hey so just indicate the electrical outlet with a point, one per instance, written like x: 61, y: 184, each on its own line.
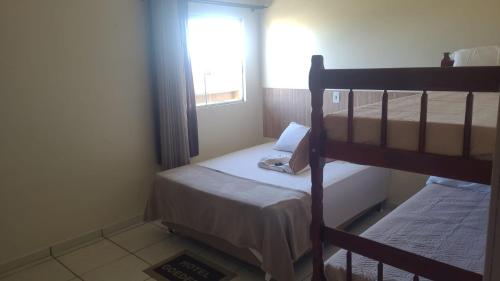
x: 336, y: 97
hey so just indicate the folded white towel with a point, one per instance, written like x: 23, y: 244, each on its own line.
x: 276, y: 163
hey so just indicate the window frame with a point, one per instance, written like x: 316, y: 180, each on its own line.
x: 206, y: 10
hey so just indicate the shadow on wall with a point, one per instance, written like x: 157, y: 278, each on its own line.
x: 404, y: 185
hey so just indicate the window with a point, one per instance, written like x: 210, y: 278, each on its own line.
x: 216, y: 46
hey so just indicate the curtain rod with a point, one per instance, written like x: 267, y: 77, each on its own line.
x: 222, y: 3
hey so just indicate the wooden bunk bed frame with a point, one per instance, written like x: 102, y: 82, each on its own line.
x: 445, y: 78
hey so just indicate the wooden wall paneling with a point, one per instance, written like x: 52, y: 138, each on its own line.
x: 282, y: 106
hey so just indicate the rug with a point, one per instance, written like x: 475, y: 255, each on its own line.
x: 186, y: 266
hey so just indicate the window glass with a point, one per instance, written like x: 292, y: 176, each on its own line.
x: 216, y: 46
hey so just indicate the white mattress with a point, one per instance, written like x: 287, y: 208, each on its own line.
x: 443, y: 223
x: 344, y: 183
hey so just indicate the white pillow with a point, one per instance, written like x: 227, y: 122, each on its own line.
x: 291, y: 137
x: 454, y: 183
x: 480, y: 56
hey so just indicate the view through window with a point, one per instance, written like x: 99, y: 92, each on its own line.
x: 216, y: 46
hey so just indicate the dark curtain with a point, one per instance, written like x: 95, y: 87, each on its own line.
x: 192, y: 118
x: 172, y: 84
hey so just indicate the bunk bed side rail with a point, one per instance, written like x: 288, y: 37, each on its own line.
x: 455, y: 167
x: 454, y: 79
x: 384, y: 254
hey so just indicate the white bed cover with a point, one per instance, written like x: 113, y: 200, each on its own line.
x: 343, y: 182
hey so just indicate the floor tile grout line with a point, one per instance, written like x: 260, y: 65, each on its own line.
x: 100, y: 266
x: 128, y: 251
x: 131, y: 227
x: 166, y: 231
x: 63, y: 265
x: 110, y: 237
x: 103, y: 265
x: 134, y: 254
x: 102, y: 236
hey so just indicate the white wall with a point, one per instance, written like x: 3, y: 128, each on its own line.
x: 76, y: 128
x: 260, y: 3
x: 76, y: 134
x: 362, y: 34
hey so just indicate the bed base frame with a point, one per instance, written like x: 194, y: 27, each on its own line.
x: 458, y: 79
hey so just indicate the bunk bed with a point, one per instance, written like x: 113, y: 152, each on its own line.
x: 335, y: 137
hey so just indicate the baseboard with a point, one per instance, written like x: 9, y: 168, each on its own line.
x: 65, y: 246
x: 120, y: 226
x: 76, y: 242
x: 24, y: 260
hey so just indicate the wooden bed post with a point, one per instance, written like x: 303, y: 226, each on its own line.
x: 317, y: 162
x: 447, y: 61
x: 492, y: 260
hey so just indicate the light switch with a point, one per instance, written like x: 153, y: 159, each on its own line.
x: 336, y: 97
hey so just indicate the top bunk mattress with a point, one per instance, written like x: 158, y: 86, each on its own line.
x: 443, y: 223
x: 445, y: 123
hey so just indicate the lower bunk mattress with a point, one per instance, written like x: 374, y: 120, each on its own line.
x: 264, y: 211
x: 444, y: 223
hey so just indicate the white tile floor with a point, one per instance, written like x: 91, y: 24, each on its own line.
x: 123, y: 257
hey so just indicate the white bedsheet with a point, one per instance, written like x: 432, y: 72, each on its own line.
x: 343, y: 182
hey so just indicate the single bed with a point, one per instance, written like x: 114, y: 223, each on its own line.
x: 343, y: 181
x: 252, y: 213
x: 441, y: 222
